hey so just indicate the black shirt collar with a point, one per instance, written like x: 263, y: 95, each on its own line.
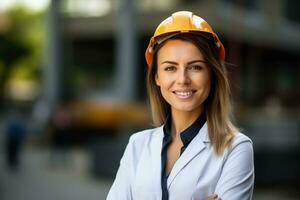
x: 189, y: 133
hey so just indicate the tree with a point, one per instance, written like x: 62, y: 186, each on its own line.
x: 20, y: 43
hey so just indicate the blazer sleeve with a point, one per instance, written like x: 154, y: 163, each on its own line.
x: 121, y: 187
x: 237, y: 176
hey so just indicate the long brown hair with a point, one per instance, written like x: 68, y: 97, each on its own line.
x: 221, y: 130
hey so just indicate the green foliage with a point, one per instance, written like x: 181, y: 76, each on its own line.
x: 22, y: 45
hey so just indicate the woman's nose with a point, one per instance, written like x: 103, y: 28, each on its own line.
x: 183, y: 77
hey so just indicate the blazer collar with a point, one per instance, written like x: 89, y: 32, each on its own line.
x: 192, y: 150
x: 204, y: 133
x: 155, y: 148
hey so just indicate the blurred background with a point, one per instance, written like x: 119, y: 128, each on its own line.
x: 72, y: 89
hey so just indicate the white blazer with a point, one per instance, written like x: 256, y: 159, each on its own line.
x: 197, y: 174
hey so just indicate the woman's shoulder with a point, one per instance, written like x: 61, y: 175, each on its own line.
x: 240, y: 138
x: 241, y: 142
x: 141, y: 140
x: 144, y: 135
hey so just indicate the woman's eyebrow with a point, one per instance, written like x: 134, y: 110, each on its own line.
x: 175, y: 63
x: 169, y: 62
x: 195, y: 61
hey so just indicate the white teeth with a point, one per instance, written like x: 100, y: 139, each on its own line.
x: 184, y: 94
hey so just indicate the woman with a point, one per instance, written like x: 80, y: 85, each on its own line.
x: 195, y: 152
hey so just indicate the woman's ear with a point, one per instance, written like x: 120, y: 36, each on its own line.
x: 157, y: 80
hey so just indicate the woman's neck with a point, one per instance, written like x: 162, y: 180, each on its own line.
x: 182, y: 120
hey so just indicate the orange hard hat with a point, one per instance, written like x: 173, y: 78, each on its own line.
x: 181, y: 22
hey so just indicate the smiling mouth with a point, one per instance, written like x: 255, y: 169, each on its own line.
x: 184, y: 94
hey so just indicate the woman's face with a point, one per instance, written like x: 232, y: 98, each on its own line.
x: 183, y: 76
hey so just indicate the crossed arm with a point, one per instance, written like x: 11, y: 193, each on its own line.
x: 237, y: 177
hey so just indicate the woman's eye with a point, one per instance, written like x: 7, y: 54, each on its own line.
x: 195, y: 67
x: 170, y: 68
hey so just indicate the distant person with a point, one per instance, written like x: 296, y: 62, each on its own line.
x: 60, y: 123
x: 15, y: 136
x: 41, y: 114
x: 195, y: 152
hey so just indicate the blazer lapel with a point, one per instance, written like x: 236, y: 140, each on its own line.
x: 155, y: 148
x: 193, y: 149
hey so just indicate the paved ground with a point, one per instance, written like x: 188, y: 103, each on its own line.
x: 37, y: 180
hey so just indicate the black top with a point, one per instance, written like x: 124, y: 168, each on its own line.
x: 186, y: 136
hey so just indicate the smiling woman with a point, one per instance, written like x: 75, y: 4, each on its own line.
x: 195, y: 152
